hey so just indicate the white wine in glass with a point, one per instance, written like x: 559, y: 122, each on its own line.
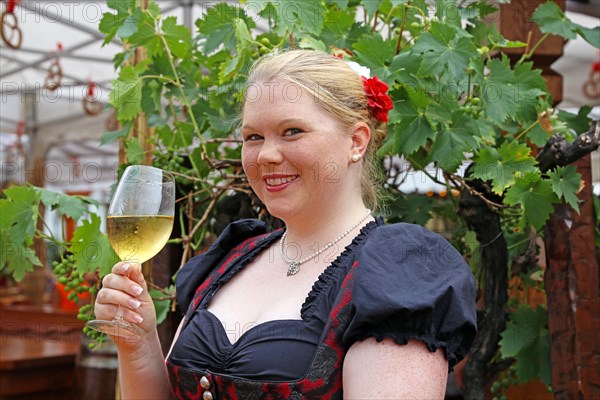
x: 139, y: 223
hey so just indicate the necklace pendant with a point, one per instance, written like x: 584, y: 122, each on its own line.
x: 293, y: 268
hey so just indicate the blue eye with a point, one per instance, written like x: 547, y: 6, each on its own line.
x: 252, y: 138
x: 292, y: 131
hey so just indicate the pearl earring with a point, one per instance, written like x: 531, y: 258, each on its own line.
x: 356, y: 157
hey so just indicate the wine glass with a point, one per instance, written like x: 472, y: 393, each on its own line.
x: 139, y: 223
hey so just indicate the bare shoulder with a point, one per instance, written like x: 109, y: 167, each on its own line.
x: 386, y: 370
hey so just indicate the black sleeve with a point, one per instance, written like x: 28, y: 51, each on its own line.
x: 412, y: 284
x: 197, y: 269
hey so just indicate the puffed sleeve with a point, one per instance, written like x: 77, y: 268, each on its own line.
x: 197, y: 269
x: 411, y: 283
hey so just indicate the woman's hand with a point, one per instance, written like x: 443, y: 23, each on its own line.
x: 127, y: 287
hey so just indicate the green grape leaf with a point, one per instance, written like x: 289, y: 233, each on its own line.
x: 372, y: 6
x: 535, y: 196
x: 236, y: 64
x: 111, y: 136
x: 522, y: 330
x: 130, y: 24
x: 404, y: 66
x: 91, y: 248
x: 565, y: 183
x: 126, y: 93
x: 16, y: 258
x: 590, y: 35
x: 295, y: 16
x: 538, y: 136
x: 111, y: 23
x: 551, y: 19
x: 500, y: 165
x: 19, y: 213
x: 375, y: 53
x: 451, y: 144
x: 444, y: 48
x: 498, y: 40
x: 217, y: 26
x: 499, y: 94
x: 178, y: 37
x: 530, y: 85
x: 151, y: 99
x: 309, y: 42
x: 413, y: 131
x: 373, y: 50
x: 580, y: 122
x: 147, y: 37
x: 70, y: 206
x: 161, y: 305
x: 343, y: 4
x: 341, y: 30
x: 134, y: 149
x: 413, y: 208
x: 526, y: 339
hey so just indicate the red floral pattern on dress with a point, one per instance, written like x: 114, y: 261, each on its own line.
x: 378, y: 99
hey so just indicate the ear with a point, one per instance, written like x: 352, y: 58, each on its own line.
x: 361, y: 136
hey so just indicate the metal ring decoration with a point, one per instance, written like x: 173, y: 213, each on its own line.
x: 10, y: 31
x: 54, y: 76
x: 591, y: 87
x: 91, y: 105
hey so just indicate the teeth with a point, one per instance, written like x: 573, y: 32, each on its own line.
x: 279, y: 181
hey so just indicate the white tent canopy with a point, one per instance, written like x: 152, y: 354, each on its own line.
x: 54, y: 122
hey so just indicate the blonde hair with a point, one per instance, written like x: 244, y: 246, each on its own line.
x: 339, y: 91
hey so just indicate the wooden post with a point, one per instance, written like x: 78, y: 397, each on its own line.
x: 142, y: 133
x: 572, y: 283
x: 572, y: 274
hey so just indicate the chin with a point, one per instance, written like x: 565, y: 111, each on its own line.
x: 282, y: 211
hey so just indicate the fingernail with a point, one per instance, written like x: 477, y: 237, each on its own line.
x: 126, y: 267
x: 134, y: 303
x: 137, y: 290
x: 138, y: 318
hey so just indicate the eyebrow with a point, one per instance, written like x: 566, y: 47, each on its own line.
x: 282, y: 122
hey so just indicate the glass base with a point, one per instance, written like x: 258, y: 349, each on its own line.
x: 116, y: 328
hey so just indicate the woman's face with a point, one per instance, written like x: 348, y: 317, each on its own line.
x: 296, y: 156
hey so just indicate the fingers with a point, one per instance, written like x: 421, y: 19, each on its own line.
x: 108, y: 300
x: 132, y: 270
x: 123, y: 283
x: 126, y: 287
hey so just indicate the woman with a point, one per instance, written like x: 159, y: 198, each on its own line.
x: 335, y: 305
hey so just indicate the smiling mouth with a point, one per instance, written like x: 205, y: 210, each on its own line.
x: 280, y: 180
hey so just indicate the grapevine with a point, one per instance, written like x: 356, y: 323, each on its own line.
x: 76, y: 286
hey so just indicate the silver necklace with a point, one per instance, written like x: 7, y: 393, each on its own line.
x: 294, y: 266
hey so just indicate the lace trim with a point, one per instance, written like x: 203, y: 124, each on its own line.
x: 331, y: 273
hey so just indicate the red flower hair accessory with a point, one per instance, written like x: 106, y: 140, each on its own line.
x: 378, y: 100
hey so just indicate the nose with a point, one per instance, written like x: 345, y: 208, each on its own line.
x: 270, y: 153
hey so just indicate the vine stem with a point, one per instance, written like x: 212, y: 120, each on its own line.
x: 374, y: 27
x: 530, y: 127
x: 203, y: 219
x: 399, y: 43
x: 185, y: 100
x: 461, y: 183
x: 164, y: 78
x: 527, y: 55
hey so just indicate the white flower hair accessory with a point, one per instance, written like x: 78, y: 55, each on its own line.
x: 359, y: 69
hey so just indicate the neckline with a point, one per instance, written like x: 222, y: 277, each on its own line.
x: 320, y: 286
